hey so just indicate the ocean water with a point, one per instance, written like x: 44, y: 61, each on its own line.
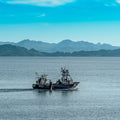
x: 97, y: 97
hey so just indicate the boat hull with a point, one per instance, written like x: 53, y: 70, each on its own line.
x: 56, y: 86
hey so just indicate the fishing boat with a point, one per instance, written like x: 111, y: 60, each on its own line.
x: 64, y: 83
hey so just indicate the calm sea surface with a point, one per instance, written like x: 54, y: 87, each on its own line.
x: 97, y: 97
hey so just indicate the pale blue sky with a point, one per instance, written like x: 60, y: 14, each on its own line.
x: 56, y: 20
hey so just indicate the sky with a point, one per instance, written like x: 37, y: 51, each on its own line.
x: 55, y: 20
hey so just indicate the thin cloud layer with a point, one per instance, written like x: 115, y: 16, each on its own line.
x: 40, y: 2
x: 118, y: 1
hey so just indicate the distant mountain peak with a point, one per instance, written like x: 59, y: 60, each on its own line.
x: 66, y: 41
x: 66, y: 45
x: 98, y: 43
x: 25, y: 40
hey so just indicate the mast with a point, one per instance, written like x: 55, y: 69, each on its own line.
x: 41, y: 79
x: 66, y: 78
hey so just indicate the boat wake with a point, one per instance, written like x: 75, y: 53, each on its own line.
x: 16, y: 90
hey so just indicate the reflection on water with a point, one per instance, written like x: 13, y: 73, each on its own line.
x: 63, y: 93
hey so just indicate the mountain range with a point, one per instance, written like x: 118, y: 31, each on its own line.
x: 11, y: 50
x: 63, y: 46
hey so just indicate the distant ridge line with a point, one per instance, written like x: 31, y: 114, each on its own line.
x: 63, y: 46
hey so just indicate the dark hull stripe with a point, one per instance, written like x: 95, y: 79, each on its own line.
x: 56, y: 86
